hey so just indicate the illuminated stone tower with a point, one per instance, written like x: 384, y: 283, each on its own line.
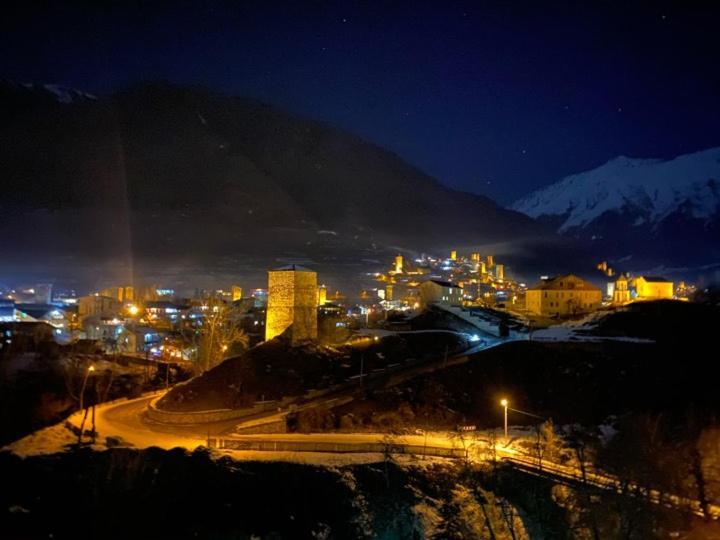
x: 236, y: 293
x: 292, y: 303
x: 453, y: 255
x: 490, y: 261
x: 500, y: 271
x: 399, y: 264
x: 322, y: 295
x: 621, y: 293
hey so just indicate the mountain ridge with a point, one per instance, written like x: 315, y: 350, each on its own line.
x: 651, y: 205
x: 183, y: 172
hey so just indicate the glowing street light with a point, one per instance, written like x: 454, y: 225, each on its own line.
x: 504, y: 403
x: 133, y: 309
x: 84, y: 384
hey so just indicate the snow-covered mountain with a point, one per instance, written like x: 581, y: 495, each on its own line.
x: 670, y: 208
x: 650, y: 189
x: 54, y: 92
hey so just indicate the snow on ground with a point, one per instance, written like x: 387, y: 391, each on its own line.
x: 328, y: 459
x: 577, y: 330
x: 49, y: 440
x: 569, y: 333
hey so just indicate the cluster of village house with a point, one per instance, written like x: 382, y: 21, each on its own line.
x: 140, y: 320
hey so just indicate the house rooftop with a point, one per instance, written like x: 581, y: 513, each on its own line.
x: 291, y: 268
x: 655, y: 279
x: 569, y: 282
x: 445, y: 283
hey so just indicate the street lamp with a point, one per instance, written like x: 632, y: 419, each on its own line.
x: 90, y: 369
x: 84, y: 384
x: 504, y: 403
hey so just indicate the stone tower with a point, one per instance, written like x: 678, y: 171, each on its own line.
x: 399, y: 264
x: 621, y: 294
x: 292, y: 303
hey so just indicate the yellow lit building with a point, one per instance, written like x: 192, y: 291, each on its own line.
x: 562, y: 296
x: 236, y: 293
x: 440, y: 292
x: 621, y: 292
x: 652, y: 288
x: 98, y: 306
x: 121, y: 294
x: 500, y: 271
x: 453, y: 255
x: 292, y: 303
x: 399, y: 264
x: 322, y: 295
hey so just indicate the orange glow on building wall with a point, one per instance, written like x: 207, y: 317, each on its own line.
x: 292, y: 303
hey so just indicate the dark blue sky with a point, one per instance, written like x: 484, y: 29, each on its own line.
x: 495, y: 98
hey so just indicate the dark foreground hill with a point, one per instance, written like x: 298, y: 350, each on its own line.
x: 182, y: 177
x: 127, y: 493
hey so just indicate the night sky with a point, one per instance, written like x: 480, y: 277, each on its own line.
x: 496, y: 99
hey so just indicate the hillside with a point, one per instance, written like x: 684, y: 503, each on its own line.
x: 640, y: 208
x: 194, y: 177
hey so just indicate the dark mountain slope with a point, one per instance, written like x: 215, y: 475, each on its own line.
x: 192, y: 176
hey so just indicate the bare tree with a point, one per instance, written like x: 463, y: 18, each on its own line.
x: 220, y: 334
x: 547, y: 443
x: 388, y: 449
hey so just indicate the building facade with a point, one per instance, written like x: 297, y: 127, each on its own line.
x: 98, y: 306
x: 621, y: 292
x: 440, y: 292
x: 652, y: 288
x: 563, y: 296
x: 292, y: 303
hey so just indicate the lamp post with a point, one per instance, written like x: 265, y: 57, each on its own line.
x: 504, y: 403
x: 84, y: 384
x: 82, y: 403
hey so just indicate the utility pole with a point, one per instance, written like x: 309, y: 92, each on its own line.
x: 504, y: 403
x: 362, y: 362
x: 82, y: 402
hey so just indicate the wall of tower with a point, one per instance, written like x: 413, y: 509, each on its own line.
x: 292, y: 300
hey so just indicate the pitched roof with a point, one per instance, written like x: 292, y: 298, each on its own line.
x: 291, y: 267
x: 445, y: 283
x: 566, y: 282
x: 655, y: 279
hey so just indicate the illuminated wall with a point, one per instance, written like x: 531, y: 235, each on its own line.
x: 621, y: 293
x: 236, y: 293
x: 292, y: 301
x: 566, y: 295
x: 433, y: 292
x: 322, y: 295
x: 653, y: 289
